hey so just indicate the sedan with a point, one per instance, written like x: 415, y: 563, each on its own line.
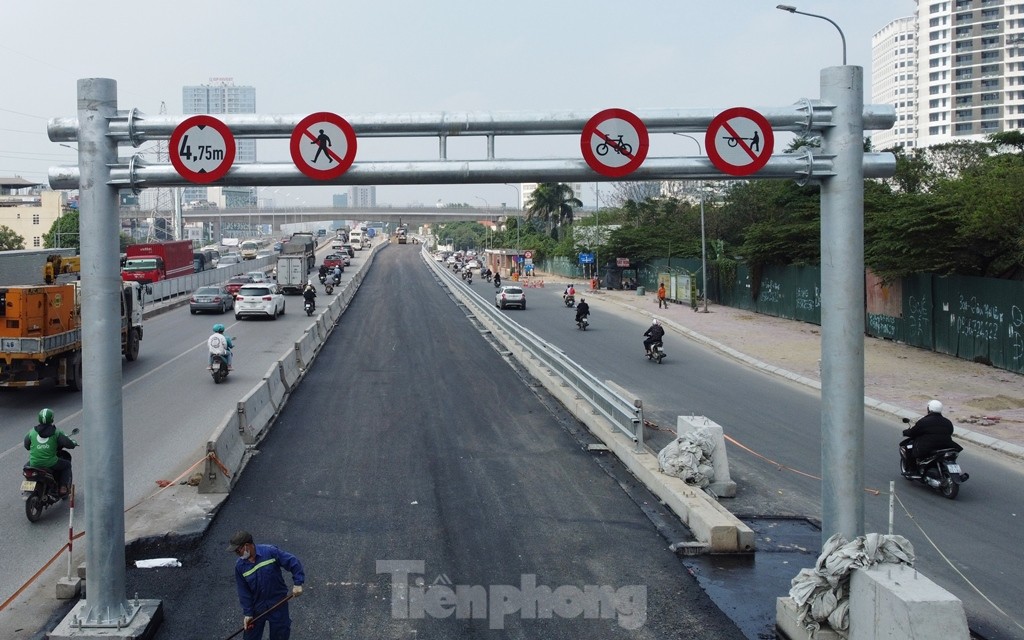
x: 213, y: 298
x: 236, y: 283
x: 347, y: 248
x: 510, y: 297
x: 259, y: 299
x: 257, y: 276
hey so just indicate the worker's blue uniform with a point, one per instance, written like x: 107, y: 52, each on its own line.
x: 261, y: 586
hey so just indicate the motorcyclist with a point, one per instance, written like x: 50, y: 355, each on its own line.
x: 569, y: 291
x: 929, y: 434
x: 582, y: 310
x: 309, y: 294
x: 43, y: 443
x: 654, y: 334
x: 497, y: 280
x: 220, y: 345
x: 323, y: 273
x: 337, y: 274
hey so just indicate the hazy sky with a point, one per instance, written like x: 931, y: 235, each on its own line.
x: 401, y: 56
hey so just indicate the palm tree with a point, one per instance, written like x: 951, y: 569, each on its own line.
x: 553, y: 203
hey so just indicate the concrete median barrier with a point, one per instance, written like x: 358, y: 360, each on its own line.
x: 290, y: 371
x: 275, y: 383
x: 255, y: 411
x: 324, y: 325
x: 306, y: 347
x: 225, y: 456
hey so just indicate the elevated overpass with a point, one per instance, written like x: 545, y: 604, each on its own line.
x: 278, y: 216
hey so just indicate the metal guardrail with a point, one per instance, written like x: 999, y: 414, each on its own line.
x: 616, y: 409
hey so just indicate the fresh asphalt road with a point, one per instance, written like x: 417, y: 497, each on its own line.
x: 780, y: 420
x: 170, y: 408
x: 412, y: 441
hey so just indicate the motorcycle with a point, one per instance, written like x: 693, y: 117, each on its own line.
x: 337, y: 279
x: 657, y: 352
x: 939, y: 469
x: 569, y: 300
x: 497, y: 283
x: 328, y: 288
x: 39, y: 488
x: 323, y: 278
x: 308, y: 306
x: 583, y: 323
x: 219, y: 367
x: 469, y: 278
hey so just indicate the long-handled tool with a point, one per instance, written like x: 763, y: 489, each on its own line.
x: 242, y: 630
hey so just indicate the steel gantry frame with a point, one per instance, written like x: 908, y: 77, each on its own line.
x: 99, y: 129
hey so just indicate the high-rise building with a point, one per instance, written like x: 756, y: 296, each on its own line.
x: 362, y: 196
x: 968, y: 74
x: 526, y: 190
x: 223, y: 96
x: 894, y: 80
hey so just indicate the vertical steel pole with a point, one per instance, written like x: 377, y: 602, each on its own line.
x: 842, y: 306
x: 101, y: 362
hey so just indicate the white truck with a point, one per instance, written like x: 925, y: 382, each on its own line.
x: 291, y: 273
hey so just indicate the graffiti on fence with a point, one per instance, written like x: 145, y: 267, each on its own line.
x: 808, y: 300
x: 977, y: 320
x: 1016, y: 326
x: 771, y: 292
x: 882, y: 326
x: 917, y: 319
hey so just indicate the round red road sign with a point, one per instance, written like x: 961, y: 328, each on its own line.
x: 202, y: 149
x: 739, y: 141
x: 614, y: 142
x: 323, y: 145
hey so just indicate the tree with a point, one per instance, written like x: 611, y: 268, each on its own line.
x: 554, y: 204
x: 9, y: 240
x: 623, y: 192
x: 64, y: 231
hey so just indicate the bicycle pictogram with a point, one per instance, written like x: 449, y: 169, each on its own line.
x: 621, y: 147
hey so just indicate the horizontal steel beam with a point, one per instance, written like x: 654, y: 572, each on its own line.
x: 804, y: 117
x: 784, y: 166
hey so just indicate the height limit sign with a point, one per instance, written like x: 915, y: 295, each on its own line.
x: 202, y: 149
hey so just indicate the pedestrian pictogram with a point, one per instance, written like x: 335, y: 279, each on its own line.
x: 202, y: 149
x: 614, y: 142
x: 739, y: 141
x: 323, y: 145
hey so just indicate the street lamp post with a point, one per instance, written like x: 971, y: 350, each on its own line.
x: 487, y: 206
x: 703, y: 242
x: 792, y: 9
x: 519, y: 206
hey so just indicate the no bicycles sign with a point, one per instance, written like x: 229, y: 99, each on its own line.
x: 614, y: 142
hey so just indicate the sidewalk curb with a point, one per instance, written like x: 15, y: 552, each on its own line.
x: 974, y: 437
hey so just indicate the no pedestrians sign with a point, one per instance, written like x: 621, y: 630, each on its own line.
x: 323, y: 145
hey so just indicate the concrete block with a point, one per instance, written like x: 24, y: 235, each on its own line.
x: 723, y: 485
x: 275, y: 383
x: 148, y: 614
x: 68, y: 588
x: 228, y: 451
x: 892, y: 601
x: 790, y: 629
x: 306, y: 347
x: 290, y: 372
x: 255, y: 412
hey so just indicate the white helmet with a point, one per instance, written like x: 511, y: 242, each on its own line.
x: 655, y: 322
x: 934, y: 406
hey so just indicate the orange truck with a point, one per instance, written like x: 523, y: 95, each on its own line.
x: 41, y: 334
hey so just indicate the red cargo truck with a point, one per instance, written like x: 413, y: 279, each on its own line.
x: 152, y: 261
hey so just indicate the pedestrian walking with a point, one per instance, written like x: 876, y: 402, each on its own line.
x: 662, y: 303
x: 262, y: 591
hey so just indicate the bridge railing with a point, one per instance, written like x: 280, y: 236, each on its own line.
x: 617, y: 410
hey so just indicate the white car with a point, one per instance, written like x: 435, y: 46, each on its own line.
x: 258, y: 276
x: 259, y: 299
